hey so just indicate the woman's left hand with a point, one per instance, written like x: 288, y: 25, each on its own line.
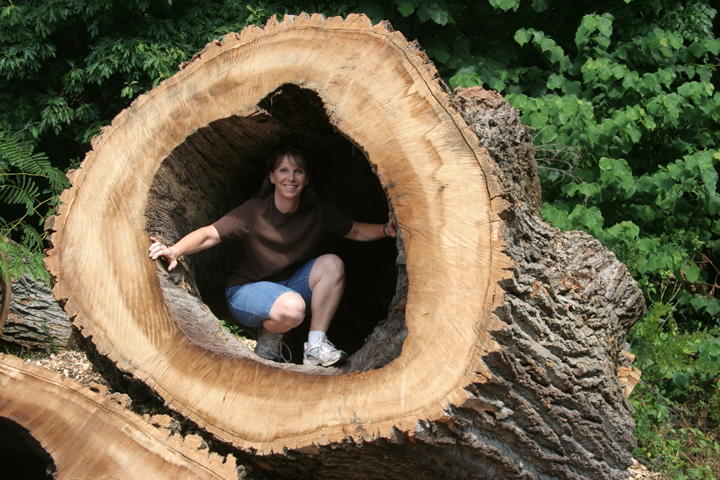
x: 160, y: 250
x: 369, y: 232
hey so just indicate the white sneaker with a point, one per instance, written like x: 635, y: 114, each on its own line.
x: 270, y: 346
x: 323, y: 353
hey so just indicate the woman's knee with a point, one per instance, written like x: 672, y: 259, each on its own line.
x: 288, y: 309
x: 330, y: 266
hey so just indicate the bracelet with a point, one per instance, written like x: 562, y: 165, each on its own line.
x: 384, y: 231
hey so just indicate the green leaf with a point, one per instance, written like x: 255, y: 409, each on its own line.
x: 645, y: 213
x: 616, y: 172
x: 522, y: 36
x: 555, y: 81
x: 556, y: 216
x: 691, y: 272
x: 505, y: 5
x: 548, y: 134
x: 439, y: 53
x: 713, y: 308
x: 536, y: 119
x: 435, y: 12
x: 441, y: 17
x: 697, y: 49
x: 590, y: 219
x: 681, y: 379
x: 465, y: 77
x: 539, y: 5
x: 713, y: 45
x: 405, y: 7
x: 594, y: 28
x: 625, y: 231
x: 709, y: 347
x: 586, y: 189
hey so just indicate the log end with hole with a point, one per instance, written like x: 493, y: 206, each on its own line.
x: 484, y: 341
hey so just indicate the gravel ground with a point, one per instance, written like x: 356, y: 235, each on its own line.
x: 75, y: 364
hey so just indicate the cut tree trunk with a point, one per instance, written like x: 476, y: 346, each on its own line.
x: 495, y: 350
x: 55, y: 425
x: 34, y: 319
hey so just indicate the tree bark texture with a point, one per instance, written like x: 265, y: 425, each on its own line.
x: 497, y: 349
x: 86, y: 433
x: 34, y: 319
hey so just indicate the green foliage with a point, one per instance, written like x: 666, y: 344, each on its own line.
x: 69, y: 66
x: 668, y: 440
x: 676, y: 404
x: 29, y: 188
x: 233, y: 327
x: 655, y: 205
x: 17, y: 259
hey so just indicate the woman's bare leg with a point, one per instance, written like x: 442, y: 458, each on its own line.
x: 327, y: 282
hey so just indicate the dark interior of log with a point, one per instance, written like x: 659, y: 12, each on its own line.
x: 221, y: 165
x: 21, y: 456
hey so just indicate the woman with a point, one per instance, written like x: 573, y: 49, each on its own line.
x: 273, y: 279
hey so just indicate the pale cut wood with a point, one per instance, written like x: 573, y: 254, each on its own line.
x: 90, y: 435
x: 499, y: 355
x: 628, y: 376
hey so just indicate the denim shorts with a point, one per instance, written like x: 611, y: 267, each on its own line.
x: 250, y: 303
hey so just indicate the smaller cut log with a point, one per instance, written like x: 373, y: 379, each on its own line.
x: 86, y: 433
x: 34, y: 318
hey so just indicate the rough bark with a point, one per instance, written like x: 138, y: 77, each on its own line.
x: 495, y: 358
x: 79, y: 432
x: 35, y: 320
x: 6, y: 295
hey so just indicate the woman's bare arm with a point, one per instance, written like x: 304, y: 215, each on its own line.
x: 367, y: 232
x: 195, y: 241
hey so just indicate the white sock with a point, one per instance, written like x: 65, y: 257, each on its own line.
x: 315, y: 337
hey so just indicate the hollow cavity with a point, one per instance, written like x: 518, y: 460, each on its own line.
x: 221, y: 165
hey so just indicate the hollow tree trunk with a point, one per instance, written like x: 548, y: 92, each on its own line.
x: 497, y: 355
x: 76, y: 432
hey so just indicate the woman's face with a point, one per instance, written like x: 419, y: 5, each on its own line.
x: 289, y: 178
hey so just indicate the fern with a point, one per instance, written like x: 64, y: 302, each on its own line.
x: 16, y: 153
x: 29, y: 188
x: 20, y: 190
x: 17, y: 260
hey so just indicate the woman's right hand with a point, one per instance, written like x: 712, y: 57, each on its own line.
x: 160, y: 250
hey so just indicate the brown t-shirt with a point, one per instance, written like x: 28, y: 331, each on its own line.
x: 269, y: 243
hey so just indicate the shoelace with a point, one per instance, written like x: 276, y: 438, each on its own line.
x: 324, y: 346
x: 280, y: 348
